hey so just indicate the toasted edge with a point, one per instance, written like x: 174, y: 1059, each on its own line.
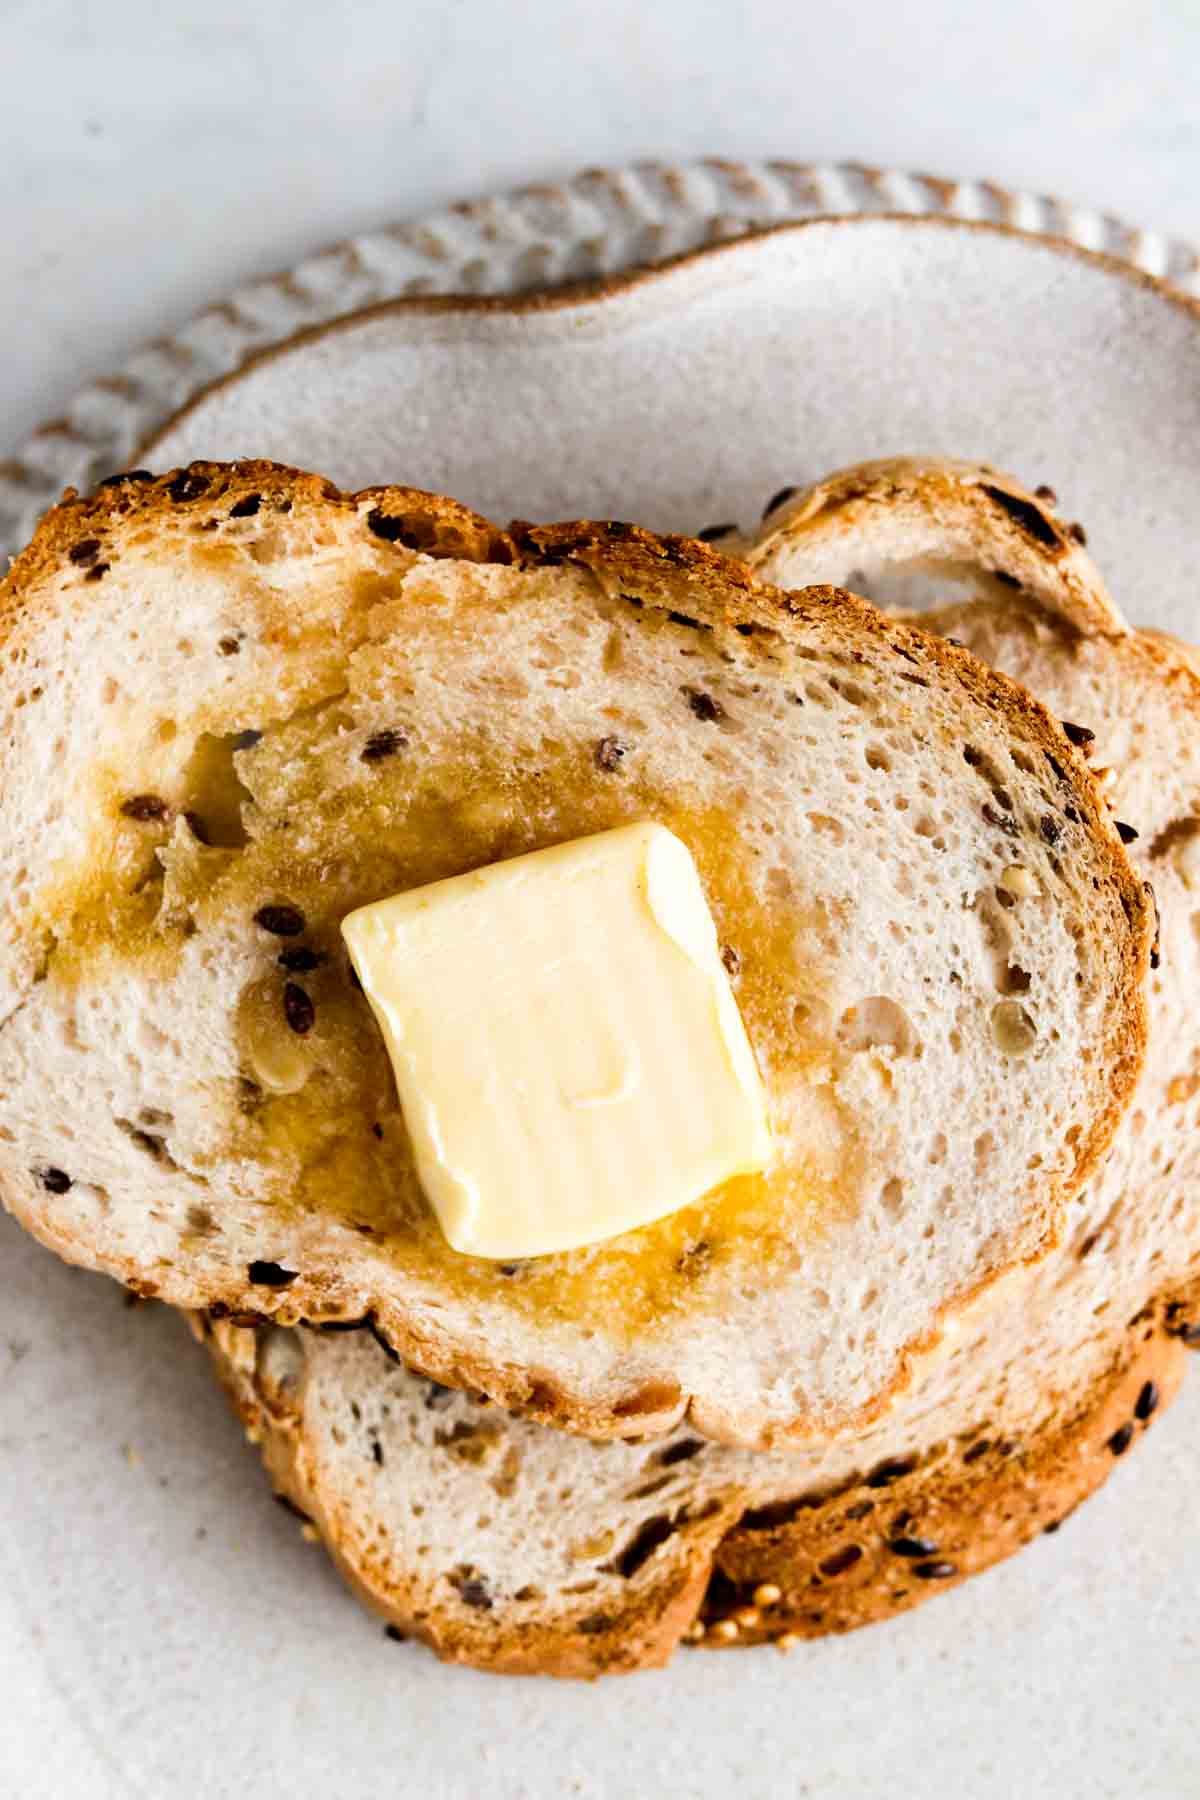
x: 1015, y: 532
x: 831, y: 1557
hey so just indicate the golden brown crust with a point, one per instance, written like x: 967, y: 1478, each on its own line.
x: 657, y: 1606
x: 417, y: 520
x: 879, y: 1546
x: 906, y: 1532
x: 721, y: 593
x: 1021, y: 524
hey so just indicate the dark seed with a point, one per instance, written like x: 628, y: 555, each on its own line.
x: 388, y: 526
x: 395, y: 1634
x: 912, y: 1547
x: 609, y: 754
x: 1052, y: 1527
x: 300, y: 959
x: 246, y: 507
x: 55, y: 1181
x: 437, y: 1397
x: 999, y: 820
x: 228, y: 646
x: 298, y: 1009
x: 280, y: 921
x: 1121, y: 1439
x: 377, y: 1451
x: 246, y: 740
x: 143, y: 807
x: 1125, y: 832
x: 1077, y: 532
x: 730, y: 958
x: 710, y: 533
x: 382, y: 744
x: 1031, y: 519
x: 289, y: 1506
x: 841, y: 1560
x: 785, y: 493
x: 1079, y: 735
x: 126, y: 475
x: 1050, y: 829
x: 1045, y: 492
x: 1005, y: 579
x: 887, y: 1472
x: 1147, y: 1401
x: 187, y: 486
x: 474, y: 1592
x: 98, y: 571
x: 683, y: 1451
x: 934, y: 1571
x: 704, y: 706
x: 377, y: 1129
x: 85, y: 551
x: 271, y: 1274
x: 860, y: 1509
x: 976, y: 1450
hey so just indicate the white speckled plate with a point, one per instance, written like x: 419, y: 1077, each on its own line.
x: 161, y: 1623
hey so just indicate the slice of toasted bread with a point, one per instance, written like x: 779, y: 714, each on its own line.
x: 523, y: 1550
x: 1043, y: 1386
x: 899, y: 529
x: 238, y: 703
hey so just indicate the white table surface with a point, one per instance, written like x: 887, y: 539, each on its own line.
x: 156, y: 155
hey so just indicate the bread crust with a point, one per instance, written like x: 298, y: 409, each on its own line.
x: 962, y: 510
x: 668, y: 573
x: 954, y: 1513
x: 875, y: 1547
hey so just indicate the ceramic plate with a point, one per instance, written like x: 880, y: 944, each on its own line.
x: 163, y: 1628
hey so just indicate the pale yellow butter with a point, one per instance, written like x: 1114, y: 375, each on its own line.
x: 568, y: 1052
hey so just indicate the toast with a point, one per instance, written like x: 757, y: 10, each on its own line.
x: 897, y: 528
x: 1044, y: 1385
x: 238, y: 704
x: 527, y: 1551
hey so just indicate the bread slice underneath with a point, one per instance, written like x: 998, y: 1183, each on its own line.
x: 233, y: 695
x: 1040, y: 1390
x: 898, y: 529
x: 518, y: 1549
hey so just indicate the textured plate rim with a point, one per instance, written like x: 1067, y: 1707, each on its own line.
x: 593, y: 235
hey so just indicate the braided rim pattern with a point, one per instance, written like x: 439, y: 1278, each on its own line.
x: 602, y: 222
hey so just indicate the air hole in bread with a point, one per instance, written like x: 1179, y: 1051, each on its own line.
x: 215, y: 792
x: 1013, y: 1029
x: 891, y: 1197
x: 826, y: 826
x: 877, y: 1023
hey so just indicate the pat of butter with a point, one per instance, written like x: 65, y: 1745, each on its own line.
x: 568, y: 1052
